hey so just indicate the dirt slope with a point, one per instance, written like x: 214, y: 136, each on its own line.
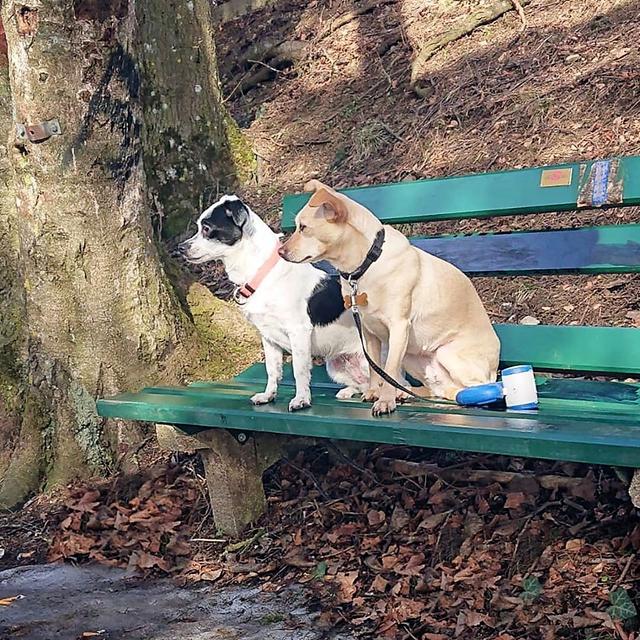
x: 566, y: 88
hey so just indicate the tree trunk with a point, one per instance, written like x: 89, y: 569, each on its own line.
x: 11, y: 301
x: 134, y: 88
x: 192, y: 148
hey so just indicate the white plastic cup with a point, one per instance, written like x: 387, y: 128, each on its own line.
x: 519, y: 387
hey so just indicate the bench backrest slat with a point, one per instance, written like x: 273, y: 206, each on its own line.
x: 523, y: 191
x: 571, y: 348
x: 606, y: 249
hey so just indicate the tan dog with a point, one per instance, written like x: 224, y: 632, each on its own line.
x: 423, y: 309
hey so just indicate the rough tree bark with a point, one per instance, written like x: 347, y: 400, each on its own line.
x: 191, y: 145
x: 134, y: 86
x: 11, y: 301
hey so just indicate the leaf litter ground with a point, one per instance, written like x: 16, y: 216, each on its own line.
x: 392, y: 543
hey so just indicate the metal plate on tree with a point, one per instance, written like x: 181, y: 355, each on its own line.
x: 38, y: 132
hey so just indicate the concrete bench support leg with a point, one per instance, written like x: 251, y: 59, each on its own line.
x: 233, y: 471
x: 634, y: 489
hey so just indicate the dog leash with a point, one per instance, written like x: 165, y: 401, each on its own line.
x: 355, y: 310
x: 353, y: 302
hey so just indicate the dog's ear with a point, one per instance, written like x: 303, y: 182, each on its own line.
x: 237, y: 211
x: 313, y: 185
x: 333, y: 208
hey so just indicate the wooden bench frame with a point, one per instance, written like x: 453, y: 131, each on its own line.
x: 579, y: 420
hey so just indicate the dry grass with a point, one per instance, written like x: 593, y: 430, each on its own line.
x: 369, y: 140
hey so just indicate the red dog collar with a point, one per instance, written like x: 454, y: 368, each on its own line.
x: 242, y: 292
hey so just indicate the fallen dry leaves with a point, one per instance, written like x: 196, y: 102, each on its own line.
x: 405, y: 548
x: 137, y: 523
x: 397, y: 543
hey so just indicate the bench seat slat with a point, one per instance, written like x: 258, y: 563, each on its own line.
x: 550, y: 405
x: 606, y: 249
x: 475, y: 196
x: 618, y: 395
x: 550, y: 433
x: 255, y: 377
x: 571, y: 348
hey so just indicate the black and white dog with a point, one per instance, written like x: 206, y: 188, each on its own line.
x: 296, y: 307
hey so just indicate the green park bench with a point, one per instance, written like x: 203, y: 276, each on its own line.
x: 579, y: 419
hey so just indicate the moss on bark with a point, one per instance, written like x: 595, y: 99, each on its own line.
x: 11, y: 301
x: 23, y: 473
x: 221, y: 345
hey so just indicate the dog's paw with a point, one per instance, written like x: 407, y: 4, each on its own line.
x: 402, y: 396
x: 382, y: 407
x: 299, y: 403
x: 263, y: 398
x: 370, y: 395
x: 346, y: 393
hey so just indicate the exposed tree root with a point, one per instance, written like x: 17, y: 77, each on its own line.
x: 471, y: 22
x: 272, y: 57
x: 228, y: 11
x: 634, y: 489
x: 519, y: 8
x: 386, y: 44
x: 260, y: 50
x: 276, y: 58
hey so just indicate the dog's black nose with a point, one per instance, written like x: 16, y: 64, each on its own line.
x: 182, y: 248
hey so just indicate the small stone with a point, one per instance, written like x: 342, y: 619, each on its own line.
x: 529, y: 320
x: 634, y: 489
x: 574, y: 57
